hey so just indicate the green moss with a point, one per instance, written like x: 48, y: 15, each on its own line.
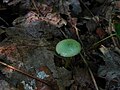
x: 68, y: 48
x: 117, y: 29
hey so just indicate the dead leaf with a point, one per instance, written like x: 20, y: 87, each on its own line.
x: 54, y: 19
x: 10, y: 51
x: 14, y: 2
x: 117, y: 4
x: 82, y: 78
x: 27, y: 20
x: 45, y: 73
x: 100, y: 32
x: 45, y: 9
x: 42, y: 86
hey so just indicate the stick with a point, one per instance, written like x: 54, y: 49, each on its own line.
x: 90, y: 71
x: 20, y: 71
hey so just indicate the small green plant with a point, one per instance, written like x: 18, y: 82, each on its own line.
x: 117, y: 29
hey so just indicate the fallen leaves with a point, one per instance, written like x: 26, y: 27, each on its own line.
x: 54, y: 19
x: 33, y: 18
x: 100, y: 32
x: 117, y: 4
x: 10, y: 52
x: 110, y: 71
x: 82, y: 80
x: 37, y: 30
x: 44, y: 73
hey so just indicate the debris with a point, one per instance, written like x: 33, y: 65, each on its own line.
x: 29, y: 34
x: 4, y: 85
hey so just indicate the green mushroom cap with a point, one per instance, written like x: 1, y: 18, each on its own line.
x: 68, y: 48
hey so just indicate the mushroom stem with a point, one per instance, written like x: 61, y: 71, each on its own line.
x: 68, y: 62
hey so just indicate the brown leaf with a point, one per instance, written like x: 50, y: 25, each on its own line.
x: 41, y: 86
x: 73, y: 21
x: 100, y: 32
x: 54, y: 19
x: 117, y: 4
x: 10, y: 51
x: 73, y: 28
x: 47, y: 75
x: 45, y: 9
x: 82, y: 79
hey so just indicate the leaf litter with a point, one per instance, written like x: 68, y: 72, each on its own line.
x: 27, y: 44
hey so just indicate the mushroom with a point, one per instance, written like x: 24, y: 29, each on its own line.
x: 68, y: 48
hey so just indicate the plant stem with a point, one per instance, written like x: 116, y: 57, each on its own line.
x: 102, y: 40
x: 90, y: 71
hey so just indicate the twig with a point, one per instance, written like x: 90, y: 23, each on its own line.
x: 96, y: 20
x: 87, y: 8
x: 77, y: 33
x: 90, y: 71
x: 36, y: 7
x: 4, y: 21
x: 102, y: 40
x: 102, y: 10
x: 111, y: 26
x: 117, y: 50
x: 92, y: 76
x: 78, y: 36
x: 20, y: 71
x: 110, y: 31
x: 63, y: 34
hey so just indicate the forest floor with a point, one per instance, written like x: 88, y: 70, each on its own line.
x: 30, y: 31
